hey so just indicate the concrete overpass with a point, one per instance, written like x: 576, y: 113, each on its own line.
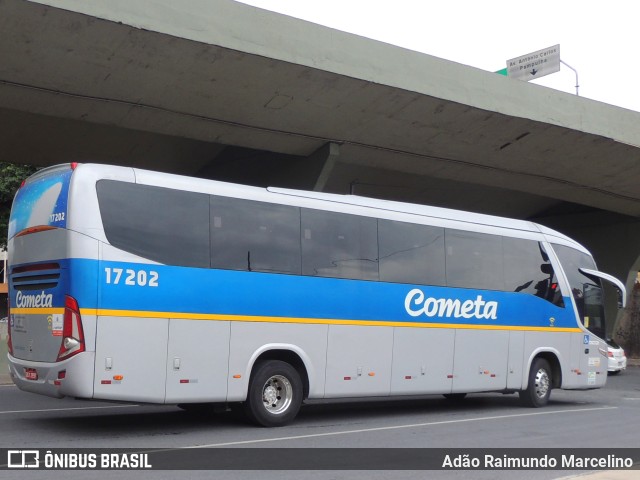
x: 222, y: 90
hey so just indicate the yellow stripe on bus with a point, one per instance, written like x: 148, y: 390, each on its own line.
x: 325, y: 321
x: 297, y: 320
x: 37, y: 311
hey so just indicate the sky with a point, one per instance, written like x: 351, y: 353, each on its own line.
x: 600, y: 39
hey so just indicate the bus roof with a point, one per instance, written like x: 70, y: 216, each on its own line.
x: 338, y: 202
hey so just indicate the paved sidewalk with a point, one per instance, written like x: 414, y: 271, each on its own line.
x: 607, y: 475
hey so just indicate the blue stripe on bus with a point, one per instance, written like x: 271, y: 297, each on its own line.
x: 224, y: 292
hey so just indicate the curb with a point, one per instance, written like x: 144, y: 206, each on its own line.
x: 604, y: 475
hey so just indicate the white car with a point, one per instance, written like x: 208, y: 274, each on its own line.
x: 616, y: 357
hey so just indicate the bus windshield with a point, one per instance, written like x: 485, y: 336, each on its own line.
x: 586, y: 290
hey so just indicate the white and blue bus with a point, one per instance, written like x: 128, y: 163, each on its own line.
x: 132, y: 285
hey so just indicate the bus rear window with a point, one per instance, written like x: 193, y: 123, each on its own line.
x: 41, y: 201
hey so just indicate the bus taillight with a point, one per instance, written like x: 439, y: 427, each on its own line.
x: 72, y: 334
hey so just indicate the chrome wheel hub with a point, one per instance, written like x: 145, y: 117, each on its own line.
x: 277, y: 394
x: 542, y: 383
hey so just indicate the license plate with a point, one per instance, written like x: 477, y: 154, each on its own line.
x: 31, y: 374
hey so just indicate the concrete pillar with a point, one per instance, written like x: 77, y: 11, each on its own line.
x: 312, y: 172
x: 326, y: 156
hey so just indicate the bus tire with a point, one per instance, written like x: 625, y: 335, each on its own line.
x: 275, y: 394
x: 539, y: 386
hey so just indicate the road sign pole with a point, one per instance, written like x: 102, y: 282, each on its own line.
x: 574, y: 71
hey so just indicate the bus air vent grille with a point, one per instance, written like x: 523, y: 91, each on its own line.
x: 35, y: 277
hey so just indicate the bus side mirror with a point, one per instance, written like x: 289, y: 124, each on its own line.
x: 622, y: 291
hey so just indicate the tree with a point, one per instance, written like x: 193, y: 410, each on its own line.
x: 11, y: 176
x: 628, y: 332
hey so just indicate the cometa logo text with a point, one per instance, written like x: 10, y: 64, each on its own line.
x: 416, y: 304
x: 40, y: 300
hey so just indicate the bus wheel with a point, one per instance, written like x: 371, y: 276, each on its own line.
x: 539, y: 386
x: 275, y: 394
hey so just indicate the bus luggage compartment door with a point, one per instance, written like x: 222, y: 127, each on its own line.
x: 131, y: 356
x: 480, y: 360
x: 197, y: 361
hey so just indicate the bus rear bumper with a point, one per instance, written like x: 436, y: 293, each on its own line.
x: 72, y: 377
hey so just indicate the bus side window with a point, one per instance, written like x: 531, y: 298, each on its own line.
x: 411, y: 253
x: 162, y: 224
x: 339, y: 245
x: 527, y: 269
x: 254, y: 236
x: 474, y: 260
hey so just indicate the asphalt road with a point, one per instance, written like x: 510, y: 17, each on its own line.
x: 609, y: 417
